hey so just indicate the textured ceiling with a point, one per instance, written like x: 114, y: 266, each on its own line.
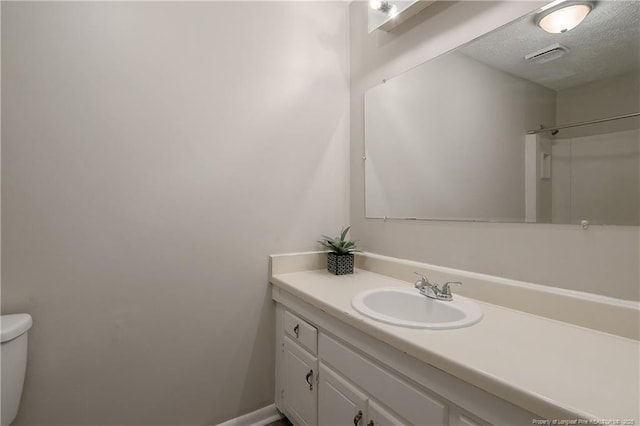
x: 604, y: 45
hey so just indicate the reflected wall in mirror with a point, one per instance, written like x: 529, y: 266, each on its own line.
x: 449, y: 139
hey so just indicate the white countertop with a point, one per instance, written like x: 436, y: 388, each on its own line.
x: 554, y: 369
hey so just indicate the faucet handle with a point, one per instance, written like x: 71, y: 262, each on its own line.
x: 422, y: 281
x: 446, y: 287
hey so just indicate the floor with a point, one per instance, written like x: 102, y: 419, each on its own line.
x: 283, y: 422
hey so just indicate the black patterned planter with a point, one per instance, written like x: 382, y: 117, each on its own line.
x: 340, y: 264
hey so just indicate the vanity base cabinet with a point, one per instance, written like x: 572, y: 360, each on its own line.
x: 362, y: 381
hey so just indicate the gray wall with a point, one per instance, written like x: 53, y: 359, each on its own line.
x: 154, y: 154
x: 601, y: 260
x: 596, y: 168
x: 599, y: 99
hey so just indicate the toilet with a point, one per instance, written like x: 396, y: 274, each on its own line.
x: 14, y: 362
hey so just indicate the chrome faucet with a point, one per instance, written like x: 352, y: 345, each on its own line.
x: 432, y: 290
x: 426, y: 288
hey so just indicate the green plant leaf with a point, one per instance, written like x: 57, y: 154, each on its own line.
x: 344, y: 233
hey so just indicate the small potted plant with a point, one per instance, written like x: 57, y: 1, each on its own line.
x: 340, y: 257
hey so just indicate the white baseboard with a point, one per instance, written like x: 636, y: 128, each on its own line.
x: 260, y: 417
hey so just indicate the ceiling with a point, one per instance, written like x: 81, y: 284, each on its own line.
x: 606, y: 44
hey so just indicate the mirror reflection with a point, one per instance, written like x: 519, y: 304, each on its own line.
x: 520, y: 125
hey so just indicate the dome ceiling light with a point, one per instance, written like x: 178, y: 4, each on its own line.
x: 564, y: 16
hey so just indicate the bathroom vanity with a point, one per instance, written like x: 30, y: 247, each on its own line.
x: 331, y: 374
x: 337, y: 366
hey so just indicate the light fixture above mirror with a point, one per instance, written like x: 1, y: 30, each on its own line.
x: 387, y: 14
x: 385, y: 7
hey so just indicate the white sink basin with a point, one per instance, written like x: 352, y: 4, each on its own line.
x: 406, y: 307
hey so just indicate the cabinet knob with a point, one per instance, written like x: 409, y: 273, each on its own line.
x: 357, y: 418
x: 310, y: 376
x: 296, y: 330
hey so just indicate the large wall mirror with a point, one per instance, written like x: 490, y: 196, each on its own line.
x: 519, y: 125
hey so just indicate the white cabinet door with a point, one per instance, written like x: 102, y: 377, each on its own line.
x: 339, y: 403
x: 378, y: 416
x: 300, y: 385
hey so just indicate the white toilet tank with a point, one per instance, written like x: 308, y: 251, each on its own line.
x: 14, y: 362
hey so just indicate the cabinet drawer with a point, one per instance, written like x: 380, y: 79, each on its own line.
x: 301, y: 332
x: 411, y: 403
